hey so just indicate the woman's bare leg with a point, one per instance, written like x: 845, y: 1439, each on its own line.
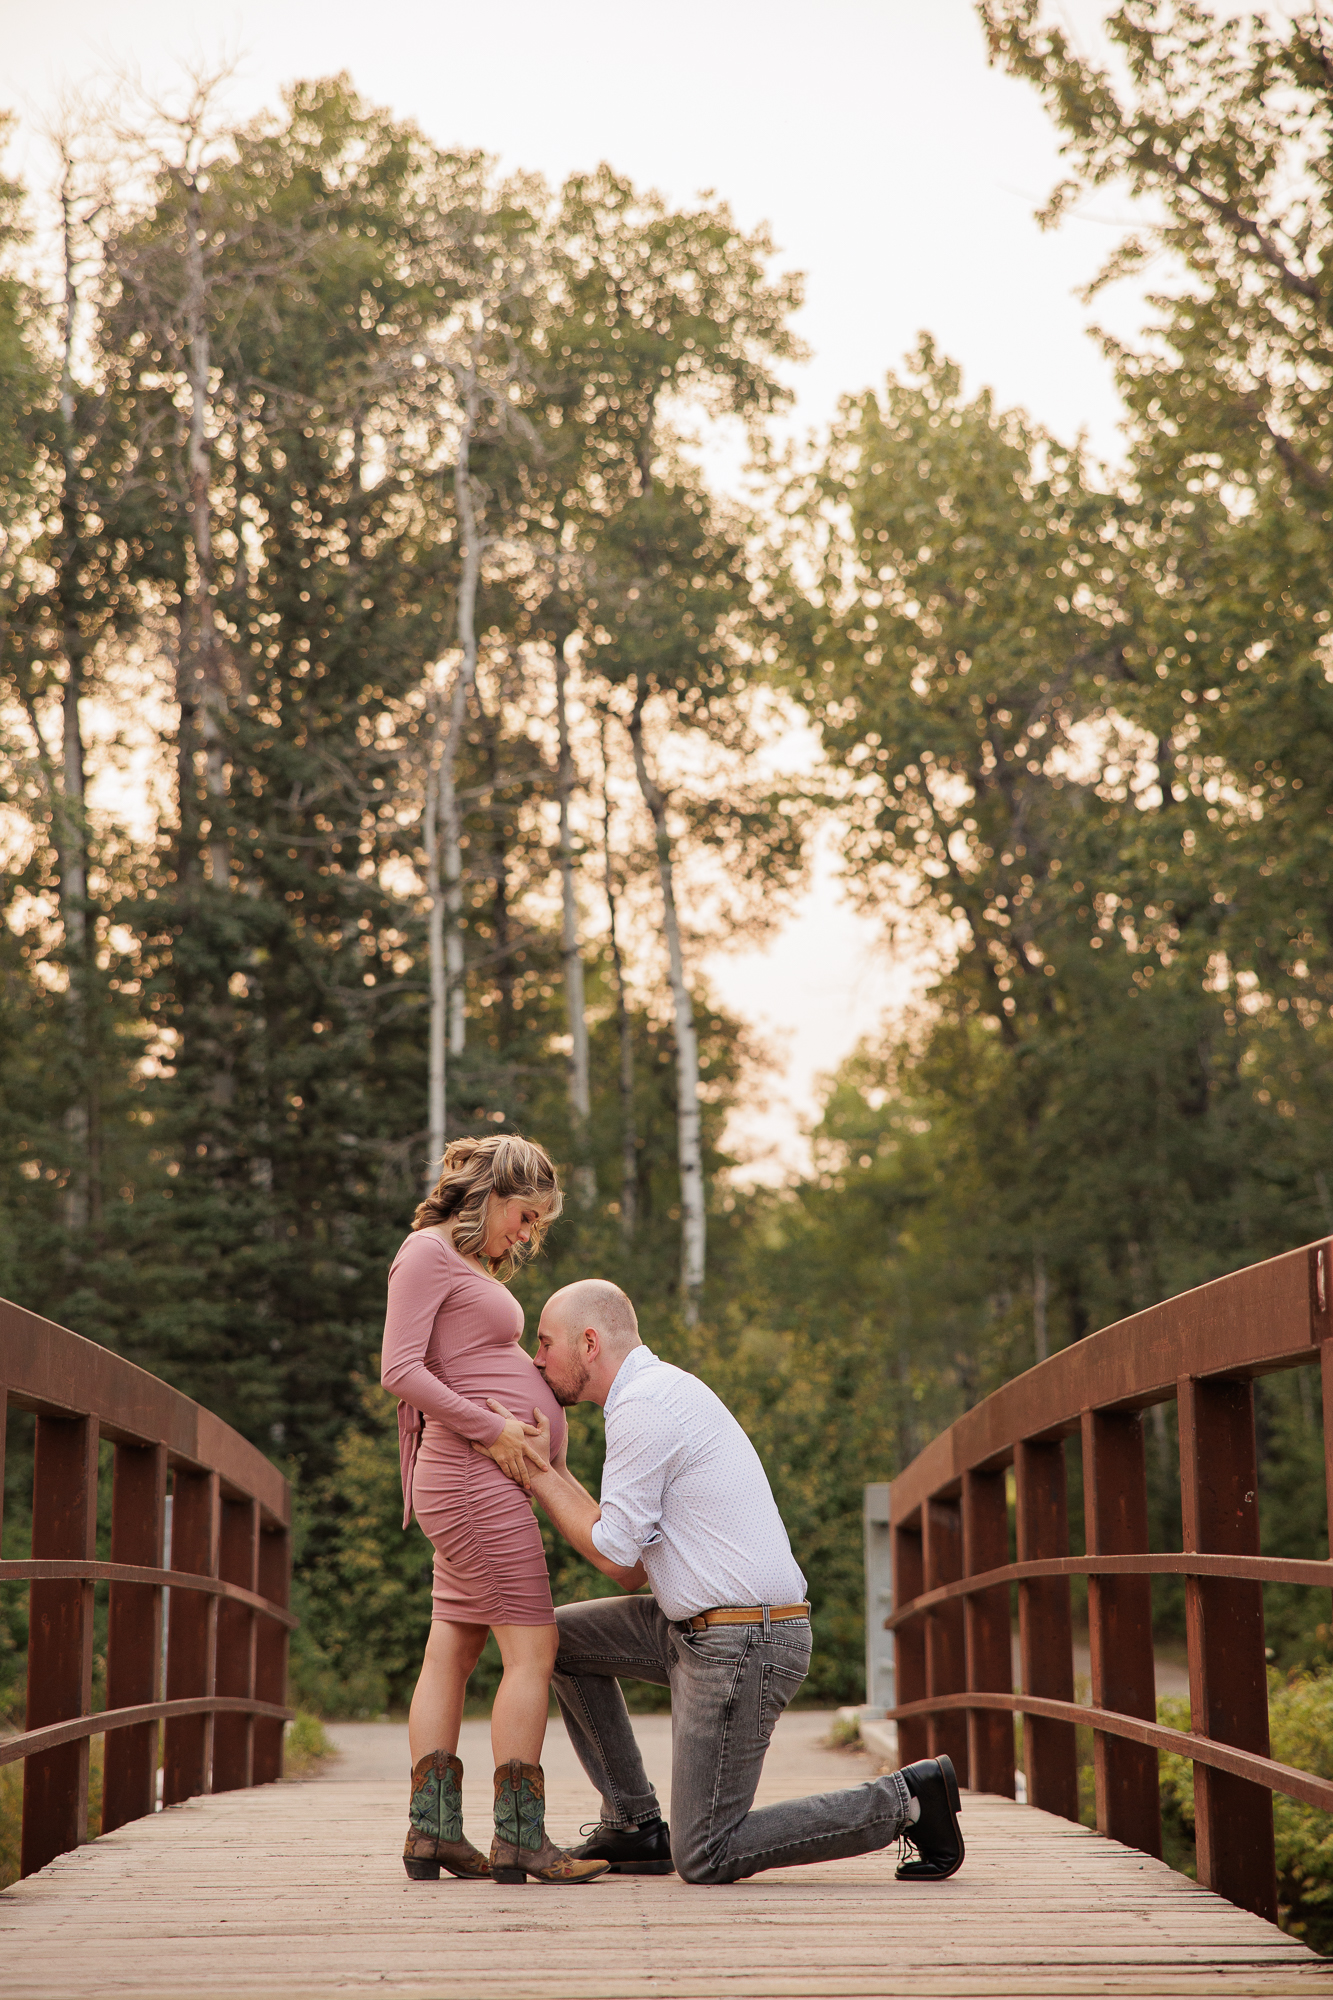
x: 518, y: 1719
x: 436, y: 1714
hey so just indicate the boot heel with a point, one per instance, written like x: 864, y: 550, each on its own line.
x: 421, y: 1871
x: 509, y: 1875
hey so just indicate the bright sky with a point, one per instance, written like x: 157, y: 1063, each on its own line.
x: 894, y: 168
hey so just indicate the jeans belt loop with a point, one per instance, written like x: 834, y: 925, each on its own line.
x: 768, y: 1629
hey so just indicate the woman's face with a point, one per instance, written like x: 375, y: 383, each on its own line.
x: 509, y: 1220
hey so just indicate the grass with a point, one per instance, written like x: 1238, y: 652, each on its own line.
x: 305, y: 1746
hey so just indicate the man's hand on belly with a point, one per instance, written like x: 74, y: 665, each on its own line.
x: 571, y: 1508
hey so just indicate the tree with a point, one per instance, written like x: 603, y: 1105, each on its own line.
x: 664, y: 309
x: 488, y: 245
x: 1222, y: 133
x: 285, y: 1096
x: 983, y: 675
x: 69, y: 599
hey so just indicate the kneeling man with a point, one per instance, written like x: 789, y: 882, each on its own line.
x: 686, y: 1507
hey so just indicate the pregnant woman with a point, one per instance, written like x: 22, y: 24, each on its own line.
x: 451, y: 1354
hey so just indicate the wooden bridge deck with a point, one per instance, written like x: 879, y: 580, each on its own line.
x: 296, y: 1890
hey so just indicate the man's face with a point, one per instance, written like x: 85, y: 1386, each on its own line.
x: 562, y: 1359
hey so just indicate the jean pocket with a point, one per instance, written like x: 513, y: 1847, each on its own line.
x: 718, y: 1645
x: 777, y: 1685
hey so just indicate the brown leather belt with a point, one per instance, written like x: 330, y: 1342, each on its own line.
x: 748, y: 1614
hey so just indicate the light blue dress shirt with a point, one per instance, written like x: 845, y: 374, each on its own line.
x: 684, y: 1493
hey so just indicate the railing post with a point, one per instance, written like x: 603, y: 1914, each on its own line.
x: 1320, y: 1276
x: 233, y: 1735
x: 1219, y: 1496
x: 1115, y: 1501
x: 191, y: 1635
x: 1045, y: 1630
x: 275, y: 1583
x: 134, y: 1631
x: 60, y: 1637
x: 908, y: 1572
x: 946, y: 1658
x: 876, y: 1544
x: 986, y: 1626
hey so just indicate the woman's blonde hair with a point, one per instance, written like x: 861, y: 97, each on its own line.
x: 471, y: 1170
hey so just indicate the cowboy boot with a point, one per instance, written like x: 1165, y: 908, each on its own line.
x: 435, y: 1822
x: 520, y: 1847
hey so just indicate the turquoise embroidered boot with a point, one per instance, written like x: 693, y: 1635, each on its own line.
x: 520, y: 1847
x: 435, y: 1822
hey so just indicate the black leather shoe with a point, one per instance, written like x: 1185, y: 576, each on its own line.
x: 631, y: 1850
x: 936, y: 1836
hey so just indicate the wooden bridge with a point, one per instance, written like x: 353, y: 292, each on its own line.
x: 244, y: 1886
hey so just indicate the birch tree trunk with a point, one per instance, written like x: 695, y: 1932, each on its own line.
x: 580, y: 1090
x: 443, y: 821
x: 629, y: 1137
x: 693, y: 1233
x: 81, y: 1203
x: 72, y: 848
x: 210, y: 695
x: 439, y: 987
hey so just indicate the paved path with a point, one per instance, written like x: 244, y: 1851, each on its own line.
x: 297, y: 1890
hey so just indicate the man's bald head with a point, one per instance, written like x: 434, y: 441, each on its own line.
x: 597, y: 1303
x: 585, y: 1333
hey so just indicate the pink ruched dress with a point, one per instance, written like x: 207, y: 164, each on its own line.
x: 450, y: 1341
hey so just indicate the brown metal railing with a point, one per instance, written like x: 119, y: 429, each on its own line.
x: 229, y: 1583
x: 952, y: 1574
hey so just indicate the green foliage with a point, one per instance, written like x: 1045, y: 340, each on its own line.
x: 11, y: 1822
x: 11, y: 1809
x: 1300, y: 1720
x: 305, y: 1746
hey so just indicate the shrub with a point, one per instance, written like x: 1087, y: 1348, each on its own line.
x: 1300, y: 1715
x: 305, y: 1746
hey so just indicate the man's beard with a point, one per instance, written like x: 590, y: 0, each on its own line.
x: 567, y: 1395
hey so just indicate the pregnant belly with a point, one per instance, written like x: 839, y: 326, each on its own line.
x: 509, y: 1376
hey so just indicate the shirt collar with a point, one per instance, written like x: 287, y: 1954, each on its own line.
x: 637, y: 1359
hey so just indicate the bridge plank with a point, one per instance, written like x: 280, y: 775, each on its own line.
x: 297, y: 1890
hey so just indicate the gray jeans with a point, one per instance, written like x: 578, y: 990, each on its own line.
x: 729, y: 1684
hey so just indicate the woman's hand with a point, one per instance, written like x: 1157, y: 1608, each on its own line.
x: 508, y: 1449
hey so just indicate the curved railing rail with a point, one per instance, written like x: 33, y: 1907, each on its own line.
x: 220, y: 1573
x: 950, y: 1525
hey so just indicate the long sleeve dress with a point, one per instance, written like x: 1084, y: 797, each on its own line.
x: 451, y: 1340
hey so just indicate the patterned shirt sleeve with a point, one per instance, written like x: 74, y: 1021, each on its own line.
x: 644, y: 1449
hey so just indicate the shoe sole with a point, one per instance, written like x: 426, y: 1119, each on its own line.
x: 913, y: 1871
x: 429, y: 1871
x: 643, y: 1867
x: 514, y: 1876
